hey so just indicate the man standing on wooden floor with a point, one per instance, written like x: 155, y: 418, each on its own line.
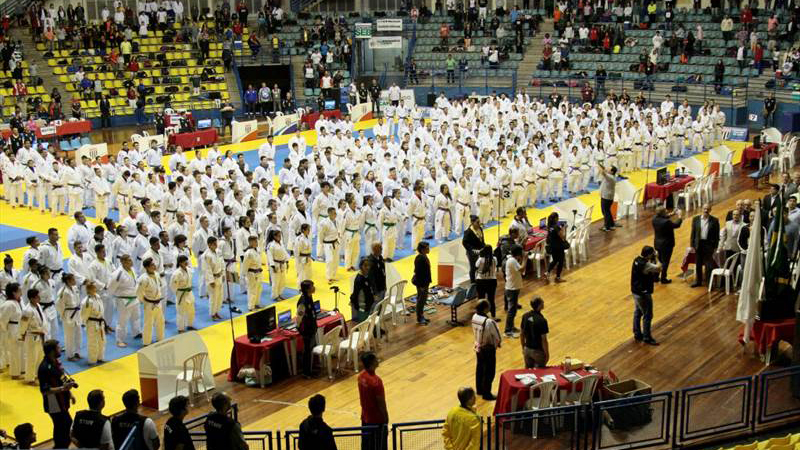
x: 462, y: 429
x: 664, y: 225
x: 644, y: 273
x: 373, y: 404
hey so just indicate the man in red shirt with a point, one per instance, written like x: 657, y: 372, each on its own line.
x: 373, y: 404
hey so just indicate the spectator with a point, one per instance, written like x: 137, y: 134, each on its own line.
x: 254, y: 44
x: 769, y: 109
x: 587, y: 93
x: 250, y: 100
x: 719, y: 72
x: 373, y: 401
x: 444, y: 33
x: 315, y: 434
x: 726, y: 26
x: 176, y: 435
x: 222, y: 431
x: 226, y: 112
x: 740, y: 54
x: 450, y: 64
x: 533, y: 336
x: 658, y: 40
x: 462, y: 428
x: 758, y: 56
x: 24, y: 435
x: 514, y: 270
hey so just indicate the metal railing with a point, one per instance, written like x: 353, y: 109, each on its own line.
x: 367, y: 437
x: 481, y: 81
x: 700, y: 415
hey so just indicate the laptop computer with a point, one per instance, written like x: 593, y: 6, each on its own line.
x: 285, y: 320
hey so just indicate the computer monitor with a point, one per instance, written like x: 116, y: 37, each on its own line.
x: 662, y: 176
x: 330, y: 104
x: 317, y: 307
x: 285, y: 319
x: 202, y: 124
x: 261, y: 323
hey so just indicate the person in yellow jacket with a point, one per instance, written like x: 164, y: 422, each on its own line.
x: 462, y: 429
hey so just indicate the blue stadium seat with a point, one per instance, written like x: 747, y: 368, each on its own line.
x: 64, y: 145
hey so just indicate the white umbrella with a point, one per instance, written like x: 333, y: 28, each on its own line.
x: 752, y: 274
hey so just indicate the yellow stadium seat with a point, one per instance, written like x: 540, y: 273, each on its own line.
x: 219, y: 70
x: 92, y: 103
x: 46, y: 98
x: 752, y: 446
x: 147, y: 81
x: 118, y: 84
x: 51, y: 62
x: 63, y: 78
x: 782, y: 447
x: 70, y: 87
x: 39, y: 90
x: 795, y: 438
x: 159, y: 89
x: 769, y: 443
x: 41, y: 47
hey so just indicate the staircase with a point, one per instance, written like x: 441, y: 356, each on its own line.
x: 33, y: 56
x: 299, y: 81
x: 533, y: 54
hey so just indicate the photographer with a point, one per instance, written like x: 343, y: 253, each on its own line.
x: 55, y: 387
x: 644, y: 272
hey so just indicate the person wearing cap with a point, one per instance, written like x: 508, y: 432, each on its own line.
x: 608, y: 186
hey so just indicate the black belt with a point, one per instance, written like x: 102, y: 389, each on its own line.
x: 172, y: 211
x: 305, y: 254
x: 556, y: 170
x: 58, y: 186
x: 46, y: 305
x: 13, y: 322
x: 255, y: 270
x: 95, y: 319
x: 335, y: 241
x: 155, y: 302
x: 56, y: 270
x: 444, y: 209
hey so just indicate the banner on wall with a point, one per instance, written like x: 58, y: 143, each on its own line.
x: 363, y: 30
x: 285, y: 124
x: 384, y: 42
x: 144, y: 141
x: 361, y: 111
x: 244, y: 131
x: 390, y: 24
x: 734, y: 134
x: 92, y: 151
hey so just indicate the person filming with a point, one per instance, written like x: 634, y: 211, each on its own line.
x: 645, y: 271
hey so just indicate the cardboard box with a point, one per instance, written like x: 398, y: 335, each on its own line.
x: 628, y: 388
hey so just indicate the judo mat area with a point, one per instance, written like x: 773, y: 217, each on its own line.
x: 120, y: 371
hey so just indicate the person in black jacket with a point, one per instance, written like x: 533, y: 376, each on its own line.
x: 307, y: 323
x: 91, y: 429
x: 704, y: 241
x: 377, y: 270
x: 105, y: 112
x: 176, y: 435
x: 315, y: 434
x: 362, y: 298
x: 556, y: 246
x: 422, y: 279
x: 473, y: 242
x: 222, y: 431
x: 644, y: 273
x: 664, y: 225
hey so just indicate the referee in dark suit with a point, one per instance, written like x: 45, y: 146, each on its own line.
x: 704, y: 240
x: 664, y: 225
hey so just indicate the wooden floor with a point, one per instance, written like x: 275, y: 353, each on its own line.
x: 589, y: 317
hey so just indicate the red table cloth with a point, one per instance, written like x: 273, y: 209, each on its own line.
x: 311, y: 118
x: 663, y: 191
x: 66, y: 128
x: 751, y: 153
x: 537, y: 235
x: 764, y: 334
x: 510, y: 388
x: 250, y: 354
x: 200, y: 138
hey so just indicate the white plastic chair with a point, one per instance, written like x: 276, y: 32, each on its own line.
x: 192, y: 375
x: 547, y: 398
x: 372, y: 341
x: 328, y: 346
x: 688, y: 195
x: 587, y: 386
x: 707, y: 191
x: 726, y: 167
x: 630, y: 206
x: 385, y: 318
x: 396, y: 301
x: 726, y: 272
x: 784, y: 159
x: 538, y: 255
x: 353, y: 344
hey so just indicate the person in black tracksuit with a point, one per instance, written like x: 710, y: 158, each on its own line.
x: 223, y: 432
x: 307, y: 323
x: 473, y: 243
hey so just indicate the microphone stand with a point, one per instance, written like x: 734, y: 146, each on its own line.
x: 336, y: 291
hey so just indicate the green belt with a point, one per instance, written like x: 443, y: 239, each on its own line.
x: 128, y: 300
x: 183, y: 292
x: 368, y: 225
x: 352, y: 231
x: 389, y: 225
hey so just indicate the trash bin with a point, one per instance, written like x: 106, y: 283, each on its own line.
x: 627, y: 413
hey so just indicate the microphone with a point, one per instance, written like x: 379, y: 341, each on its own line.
x: 335, y: 288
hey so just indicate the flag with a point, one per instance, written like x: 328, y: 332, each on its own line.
x: 752, y: 273
x: 778, y: 291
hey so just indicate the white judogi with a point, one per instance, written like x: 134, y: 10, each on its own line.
x: 47, y: 299
x: 10, y: 315
x: 388, y: 219
x: 150, y: 293
x: 100, y: 273
x: 352, y: 237
x: 102, y: 193
x: 302, y: 254
x: 68, y: 305
x: 33, y: 330
x: 181, y: 284
x: 123, y: 285
x: 329, y: 236
x: 370, y: 226
x: 278, y: 263
x: 252, y: 272
x: 442, y: 221
x: 213, y: 271
x: 92, y: 315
